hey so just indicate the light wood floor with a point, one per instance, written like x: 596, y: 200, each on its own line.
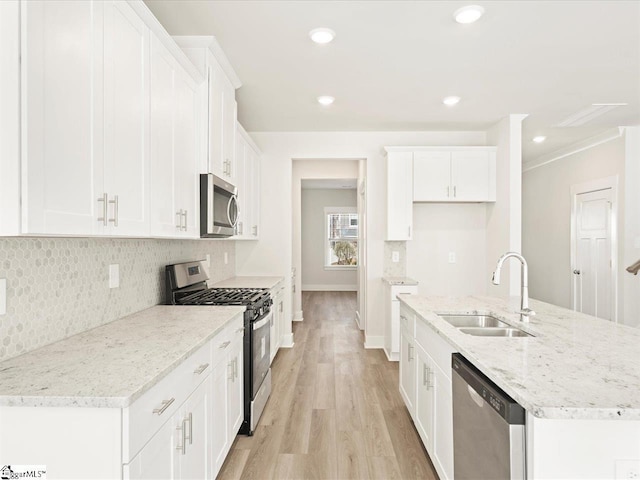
x: 335, y: 411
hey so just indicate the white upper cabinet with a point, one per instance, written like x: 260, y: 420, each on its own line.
x: 174, y: 146
x: 454, y: 174
x: 399, y: 195
x: 248, y: 183
x: 62, y: 92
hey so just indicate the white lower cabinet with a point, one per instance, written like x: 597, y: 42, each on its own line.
x: 425, y: 386
x: 392, y: 318
x: 277, y: 309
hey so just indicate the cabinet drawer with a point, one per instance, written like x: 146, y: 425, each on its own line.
x: 437, y: 347
x: 407, y: 321
x: 222, y: 342
x: 147, y: 414
x: 406, y: 289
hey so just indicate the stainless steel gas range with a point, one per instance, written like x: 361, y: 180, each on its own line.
x: 186, y: 284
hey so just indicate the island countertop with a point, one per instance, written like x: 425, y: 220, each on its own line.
x: 114, y: 364
x: 575, y: 365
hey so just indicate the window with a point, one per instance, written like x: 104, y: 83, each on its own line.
x: 341, y: 237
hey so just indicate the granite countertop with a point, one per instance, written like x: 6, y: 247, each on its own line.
x: 399, y: 281
x: 576, y: 366
x: 248, y: 282
x: 114, y: 364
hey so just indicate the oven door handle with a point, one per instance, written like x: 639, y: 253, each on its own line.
x: 262, y: 322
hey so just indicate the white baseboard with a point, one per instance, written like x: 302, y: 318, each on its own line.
x: 374, y: 341
x: 393, y: 357
x: 287, y: 341
x: 298, y: 317
x: 330, y: 288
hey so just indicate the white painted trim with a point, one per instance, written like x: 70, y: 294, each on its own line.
x: 170, y: 44
x: 210, y: 42
x: 573, y: 149
x: 393, y: 357
x: 330, y: 288
x: 593, y: 186
x: 373, y: 341
x: 286, y: 341
x: 248, y: 138
x: 298, y: 317
x: 456, y: 148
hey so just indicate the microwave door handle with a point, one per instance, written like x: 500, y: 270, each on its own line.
x: 233, y: 222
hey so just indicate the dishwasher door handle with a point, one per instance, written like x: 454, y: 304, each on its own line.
x: 477, y: 399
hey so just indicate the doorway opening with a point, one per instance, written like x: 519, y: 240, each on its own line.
x: 594, y: 246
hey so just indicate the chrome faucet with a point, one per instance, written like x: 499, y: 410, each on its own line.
x: 525, y: 312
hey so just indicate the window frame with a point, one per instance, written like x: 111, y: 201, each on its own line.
x: 327, y: 255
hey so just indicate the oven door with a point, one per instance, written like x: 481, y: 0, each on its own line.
x: 260, y: 341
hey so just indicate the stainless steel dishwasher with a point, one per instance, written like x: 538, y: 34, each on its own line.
x: 488, y: 427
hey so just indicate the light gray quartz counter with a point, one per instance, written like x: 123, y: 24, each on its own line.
x: 248, y: 282
x: 399, y: 281
x: 114, y: 364
x: 576, y: 366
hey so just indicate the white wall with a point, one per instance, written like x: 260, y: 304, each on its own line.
x: 313, y: 237
x: 272, y: 254
x: 631, y: 229
x: 546, y: 216
x: 439, y: 229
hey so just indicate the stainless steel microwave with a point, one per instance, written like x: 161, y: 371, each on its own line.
x: 218, y: 207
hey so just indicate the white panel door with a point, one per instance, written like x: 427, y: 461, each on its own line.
x: 592, y: 273
x: 229, y: 117
x: 186, y: 174
x: 62, y: 157
x: 408, y: 369
x: 425, y: 399
x: 254, y: 187
x: 158, y: 458
x: 470, y: 176
x: 399, y: 195
x: 215, y: 117
x: 432, y: 177
x: 165, y: 220
x: 219, y: 429
x: 126, y: 47
x: 235, y: 387
x: 443, y: 424
x: 243, y: 184
x: 195, y: 457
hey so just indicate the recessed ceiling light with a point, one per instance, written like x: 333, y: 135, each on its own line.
x: 451, y: 101
x: 325, y: 100
x: 539, y: 139
x: 322, y: 35
x: 468, y: 14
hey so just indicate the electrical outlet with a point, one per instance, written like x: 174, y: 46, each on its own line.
x: 395, y: 256
x: 114, y: 276
x: 226, y: 258
x: 3, y: 296
x: 452, y: 257
x: 627, y: 469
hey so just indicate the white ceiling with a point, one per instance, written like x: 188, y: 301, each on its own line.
x: 329, y: 183
x: 392, y: 62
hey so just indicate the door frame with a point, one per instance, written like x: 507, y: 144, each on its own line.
x: 607, y: 183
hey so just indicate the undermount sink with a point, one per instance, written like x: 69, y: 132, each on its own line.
x: 481, y: 321
x: 494, y: 332
x: 483, y: 326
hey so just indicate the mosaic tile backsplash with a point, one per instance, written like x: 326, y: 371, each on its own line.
x: 57, y: 287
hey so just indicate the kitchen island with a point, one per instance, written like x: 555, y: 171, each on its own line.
x: 578, y: 377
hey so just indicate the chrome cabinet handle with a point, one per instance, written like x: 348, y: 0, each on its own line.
x: 104, y: 199
x: 235, y: 367
x: 225, y: 344
x: 281, y: 306
x: 409, y: 230
x: 454, y: 191
x: 184, y: 213
x: 201, y: 368
x: 115, y: 210
x: 179, y: 223
x: 190, y: 420
x: 230, y: 375
x: 255, y: 230
x: 409, y: 356
x: 429, y: 374
x: 165, y: 405
x: 448, y: 191
x: 576, y: 272
x: 181, y: 428
x: 424, y: 374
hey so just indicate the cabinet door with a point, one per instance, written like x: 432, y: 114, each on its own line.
x: 62, y: 155
x: 195, y: 457
x: 255, y: 193
x: 165, y: 219
x: 425, y: 399
x: 408, y: 371
x: 159, y: 457
x: 235, y: 387
x: 470, y: 176
x: 219, y: 429
x: 244, y: 211
x: 186, y: 174
x: 443, y: 424
x: 432, y: 177
x: 229, y: 117
x: 215, y: 129
x: 399, y: 195
x: 126, y: 49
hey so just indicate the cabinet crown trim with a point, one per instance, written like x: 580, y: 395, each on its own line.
x: 211, y: 43
x: 436, y: 148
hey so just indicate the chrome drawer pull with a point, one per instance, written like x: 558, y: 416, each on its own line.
x: 165, y: 405
x: 225, y: 344
x: 190, y: 420
x: 104, y: 199
x: 182, y: 448
x: 201, y: 368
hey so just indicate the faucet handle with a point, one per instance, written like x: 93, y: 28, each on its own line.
x: 527, y: 311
